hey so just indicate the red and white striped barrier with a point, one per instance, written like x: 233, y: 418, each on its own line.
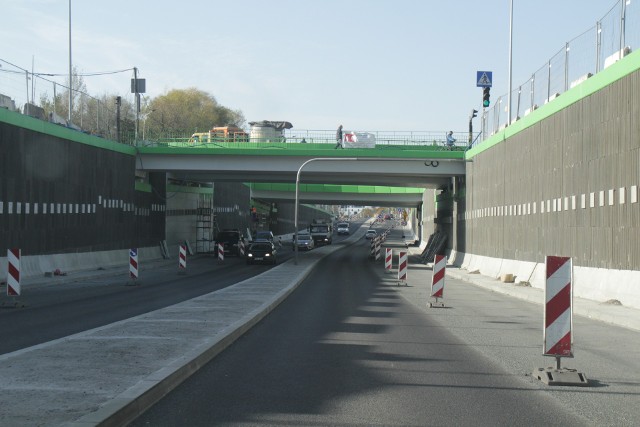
x: 13, y: 272
x: 220, y: 251
x: 241, y: 247
x: 133, y: 263
x: 437, y: 281
x: 558, y: 313
x: 402, y: 267
x: 372, y: 254
x: 182, y: 258
x: 378, y: 242
x: 388, y: 259
x: 558, y: 323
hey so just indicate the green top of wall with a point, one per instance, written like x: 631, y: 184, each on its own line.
x: 614, y: 72
x: 41, y: 126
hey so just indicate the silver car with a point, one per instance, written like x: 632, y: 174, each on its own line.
x: 305, y: 241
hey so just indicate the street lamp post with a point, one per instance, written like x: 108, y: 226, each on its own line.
x: 295, y: 215
x: 427, y: 163
x: 510, y: 60
x: 70, y: 68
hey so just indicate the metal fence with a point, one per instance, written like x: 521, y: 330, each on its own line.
x: 301, y: 139
x: 607, y: 41
x: 39, y: 95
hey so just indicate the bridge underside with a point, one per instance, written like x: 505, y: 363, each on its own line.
x: 422, y: 173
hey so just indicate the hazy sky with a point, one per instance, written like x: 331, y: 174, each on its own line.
x: 368, y: 64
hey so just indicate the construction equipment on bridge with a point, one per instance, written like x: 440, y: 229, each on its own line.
x: 268, y: 131
x: 220, y: 134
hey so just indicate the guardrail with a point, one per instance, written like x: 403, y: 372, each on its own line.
x: 317, y: 141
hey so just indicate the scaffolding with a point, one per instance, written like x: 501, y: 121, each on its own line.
x: 206, y: 225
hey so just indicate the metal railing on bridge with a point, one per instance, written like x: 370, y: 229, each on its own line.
x: 325, y: 139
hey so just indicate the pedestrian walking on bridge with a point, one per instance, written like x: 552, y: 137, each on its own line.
x: 339, y: 138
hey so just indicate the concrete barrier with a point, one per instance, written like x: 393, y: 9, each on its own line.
x: 38, y: 265
x: 596, y: 284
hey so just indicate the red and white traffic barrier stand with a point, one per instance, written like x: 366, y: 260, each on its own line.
x: 220, y: 252
x: 133, y: 266
x: 403, y: 266
x: 558, y: 323
x: 13, y: 277
x: 378, y: 242
x: 388, y: 260
x: 182, y: 259
x: 372, y: 252
x: 13, y: 272
x: 241, y: 249
x: 437, y: 281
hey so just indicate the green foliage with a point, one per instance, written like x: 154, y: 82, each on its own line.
x: 177, y: 113
x: 185, y: 111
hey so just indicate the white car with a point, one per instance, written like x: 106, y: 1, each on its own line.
x: 343, y: 228
x: 371, y: 233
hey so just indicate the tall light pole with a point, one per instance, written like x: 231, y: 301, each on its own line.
x: 70, y: 67
x: 510, y: 59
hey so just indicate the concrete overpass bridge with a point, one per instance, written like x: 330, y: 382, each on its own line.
x: 389, y: 175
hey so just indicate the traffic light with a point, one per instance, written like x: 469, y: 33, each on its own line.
x: 485, y: 97
x: 474, y: 113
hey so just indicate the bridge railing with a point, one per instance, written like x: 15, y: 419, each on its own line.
x: 303, y: 139
x: 610, y: 39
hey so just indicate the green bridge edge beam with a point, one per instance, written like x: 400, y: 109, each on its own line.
x: 302, y: 150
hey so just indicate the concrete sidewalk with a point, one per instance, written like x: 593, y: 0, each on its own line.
x: 604, y: 312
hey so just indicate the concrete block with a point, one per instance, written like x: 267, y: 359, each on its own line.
x: 507, y: 278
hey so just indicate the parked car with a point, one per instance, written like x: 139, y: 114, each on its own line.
x: 305, y: 241
x: 263, y: 235
x: 371, y: 233
x: 262, y: 252
x: 230, y: 240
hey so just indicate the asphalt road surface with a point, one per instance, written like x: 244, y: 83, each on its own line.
x: 351, y: 348
x: 55, y: 311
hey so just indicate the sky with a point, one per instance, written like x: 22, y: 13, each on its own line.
x: 371, y: 65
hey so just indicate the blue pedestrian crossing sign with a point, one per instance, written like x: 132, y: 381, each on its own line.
x: 484, y: 78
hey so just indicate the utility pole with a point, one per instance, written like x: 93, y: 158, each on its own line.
x: 118, y: 104
x: 474, y: 113
x: 137, y: 95
x: 70, y: 68
x: 138, y: 86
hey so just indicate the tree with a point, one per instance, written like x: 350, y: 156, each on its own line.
x: 96, y: 115
x: 181, y: 112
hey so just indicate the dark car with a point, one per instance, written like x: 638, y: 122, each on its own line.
x: 263, y: 252
x: 230, y: 240
x: 263, y: 235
